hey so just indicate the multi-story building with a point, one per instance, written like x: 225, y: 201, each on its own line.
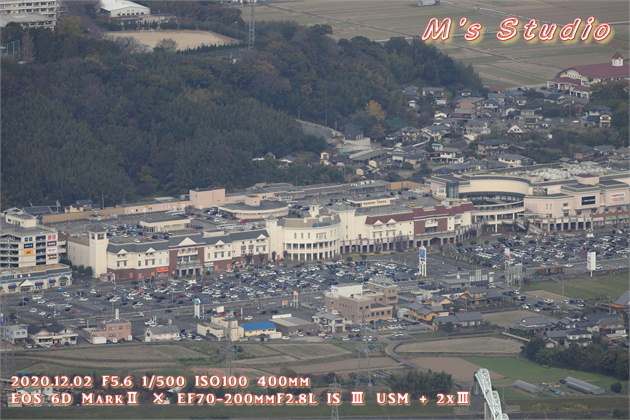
x: 312, y: 238
x: 42, y: 13
x: 378, y: 299
x: 579, y: 201
x: 112, y: 331
x: 29, y: 255
x: 25, y: 243
x: 179, y: 255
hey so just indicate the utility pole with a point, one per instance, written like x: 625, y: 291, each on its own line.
x: 335, y: 407
x: 364, y: 374
x: 252, y: 25
x: 229, y: 349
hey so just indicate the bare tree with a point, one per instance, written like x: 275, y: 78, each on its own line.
x: 28, y: 48
x: 168, y: 45
x: 131, y: 45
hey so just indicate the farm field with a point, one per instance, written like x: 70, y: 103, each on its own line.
x: 461, y: 369
x: 585, y: 287
x: 503, y: 319
x: 505, y: 64
x: 472, y: 345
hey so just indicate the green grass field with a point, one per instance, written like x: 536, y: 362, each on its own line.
x: 586, y: 287
x: 514, y: 368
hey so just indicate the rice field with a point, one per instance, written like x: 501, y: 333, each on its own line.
x: 499, y: 63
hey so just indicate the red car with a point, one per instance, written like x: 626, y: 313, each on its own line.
x: 57, y: 345
x: 73, y: 311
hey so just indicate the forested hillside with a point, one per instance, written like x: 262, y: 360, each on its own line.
x: 86, y: 117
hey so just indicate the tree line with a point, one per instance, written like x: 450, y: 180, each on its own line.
x: 597, y: 357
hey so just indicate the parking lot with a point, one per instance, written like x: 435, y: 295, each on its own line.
x: 257, y: 293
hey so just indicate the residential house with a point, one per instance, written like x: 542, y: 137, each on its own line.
x: 478, y: 296
x: 436, y: 92
x: 476, y: 126
x: 446, y: 155
x: 582, y: 153
x: 515, y: 131
x: 440, y: 302
x: 491, y: 105
x: 424, y: 313
x: 329, y: 322
x: 514, y: 160
x: 410, y: 135
x: 411, y: 92
x: 492, y: 147
x: 435, y: 132
x: 563, y: 338
x: 353, y: 132
x: 604, y: 150
x: 163, y: 333
x: 47, y: 336
x: 535, y: 324
x: 459, y: 320
x: 287, y: 160
x: 612, y: 325
x: 555, y: 98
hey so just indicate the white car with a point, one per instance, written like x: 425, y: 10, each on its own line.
x: 66, y: 294
x: 249, y: 318
x: 42, y: 313
x: 41, y: 301
x: 84, y: 299
x: 32, y: 310
x: 286, y: 337
x: 50, y: 304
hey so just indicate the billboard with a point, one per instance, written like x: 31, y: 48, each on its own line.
x: 591, y: 261
x: 618, y: 197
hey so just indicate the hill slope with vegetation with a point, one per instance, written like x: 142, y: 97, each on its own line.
x: 92, y: 118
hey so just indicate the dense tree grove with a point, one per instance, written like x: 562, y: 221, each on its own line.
x: 596, y: 357
x: 88, y: 117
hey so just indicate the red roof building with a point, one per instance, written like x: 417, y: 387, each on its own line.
x: 590, y: 74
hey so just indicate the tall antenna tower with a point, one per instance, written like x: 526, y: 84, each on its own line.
x: 252, y: 25
x: 7, y: 361
x: 229, y: 349
x: 364, y: 374
x: 335, y: 407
